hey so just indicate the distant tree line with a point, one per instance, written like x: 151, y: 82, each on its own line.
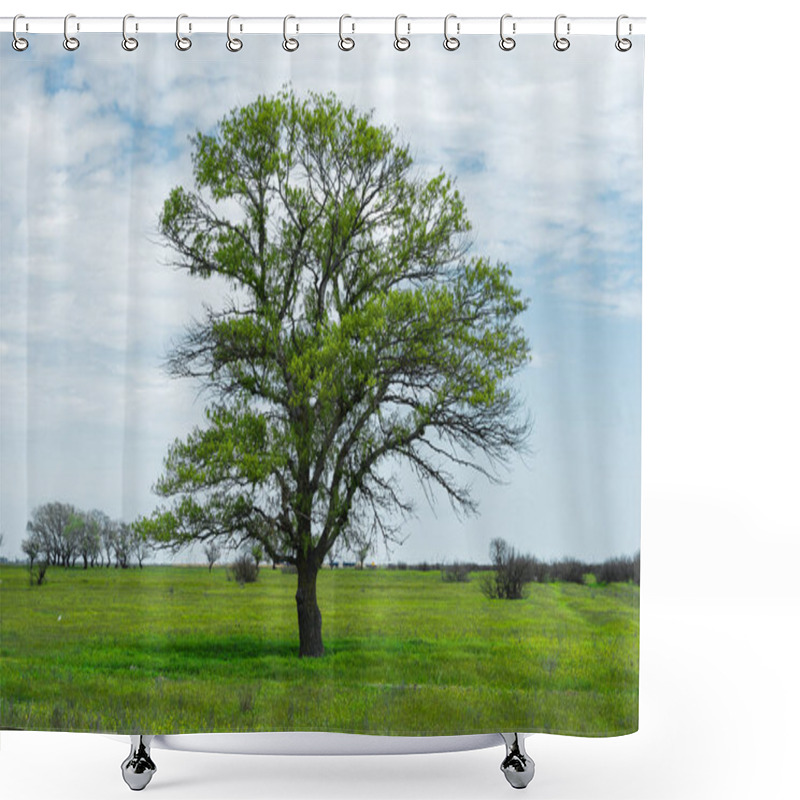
x: 512, y: 571
x: 59, y: 534
x: 509, y: 570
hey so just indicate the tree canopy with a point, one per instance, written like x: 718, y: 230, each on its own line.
x: 359, y: 333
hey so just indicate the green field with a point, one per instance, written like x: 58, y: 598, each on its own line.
x: 182, y: 650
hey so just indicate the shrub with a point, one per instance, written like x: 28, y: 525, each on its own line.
x: 37, y: 573
x: 616, y: 570
x: 362, y: 552
x: 31, y: 547
x: 540, y: 570
x: 245, y: 569
x: 569, y: 570
x: 213, y: 552
x: 512, y: 571
x: 455, y: 572
x: 489, y: 585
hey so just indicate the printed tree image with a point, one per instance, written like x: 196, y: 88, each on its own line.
x: 56, y: 538
x: 360, y: 335
x: 30, y: 546
x: 213, y: 551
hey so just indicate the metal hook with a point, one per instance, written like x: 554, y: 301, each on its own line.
x: 401, y: 42
x: 507, y: 42
x: 18, y: 43
x: 451, y: 42
x: 128, y: 42
x: 289, y: 45
x: 561, y: 43
x: 623, y: 45
x: 233, y: 44
x: 345, y: 42
x: 70, y: 42
x: 181, y: 42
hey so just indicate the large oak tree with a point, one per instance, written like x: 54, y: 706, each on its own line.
x: 359, y: 335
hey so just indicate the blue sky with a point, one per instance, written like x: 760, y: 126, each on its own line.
x: 546, y: 149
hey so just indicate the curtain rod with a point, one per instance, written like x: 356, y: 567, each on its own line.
x: 461, y: 26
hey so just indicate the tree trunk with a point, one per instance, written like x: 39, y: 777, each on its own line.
x: 309, y: 619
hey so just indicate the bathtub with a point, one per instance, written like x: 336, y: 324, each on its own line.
x: 138, y: 768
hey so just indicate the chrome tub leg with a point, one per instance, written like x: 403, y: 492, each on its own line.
x: 138, y: 768
x: 517, y: 766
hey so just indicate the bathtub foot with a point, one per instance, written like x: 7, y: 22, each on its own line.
x: 138, y: 768
x: 517, y: 766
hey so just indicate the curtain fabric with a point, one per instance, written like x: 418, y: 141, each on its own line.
x: 321, y: 386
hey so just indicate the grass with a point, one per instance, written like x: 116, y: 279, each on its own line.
x: 183, y: 650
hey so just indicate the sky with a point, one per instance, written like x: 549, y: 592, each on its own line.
x: 545, y: 148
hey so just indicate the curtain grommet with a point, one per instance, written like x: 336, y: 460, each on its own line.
x: 507, y: 43
x: 623, y: 44
x: 183, y: 43
x: 290, y: 44
x: 451, y: 43
x: 346, y: 43
x: 129, y: 43
x: 71, y: 43
x: 401, y: 43
x: 561, y: 43
x: 17, y: 42
x: 233, y: 44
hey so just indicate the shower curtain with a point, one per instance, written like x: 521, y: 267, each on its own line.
x: 320, y: 385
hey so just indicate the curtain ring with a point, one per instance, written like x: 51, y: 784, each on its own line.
x: 345, y: 42
x: 183, y: 43
x: 70, y: 42
x: 401, y: 43
x: 561, y: 43
x: 507, y: 42
x: 233, y: 44
x: 451, y: 42
x: 18, y: 43
x: 128, y: 42
x: 289, y: 45
x: 623, y: 45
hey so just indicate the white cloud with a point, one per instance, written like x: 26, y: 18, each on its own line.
x: 545, y: 148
